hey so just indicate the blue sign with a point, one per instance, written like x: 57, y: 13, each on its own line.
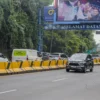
x: 49, y: 13
x: 71, y: 27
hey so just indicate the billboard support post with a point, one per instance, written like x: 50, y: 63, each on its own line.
x: 40, y: 38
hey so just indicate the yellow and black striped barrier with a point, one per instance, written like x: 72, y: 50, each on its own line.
x: 96, y: 61
x: 29, y: 66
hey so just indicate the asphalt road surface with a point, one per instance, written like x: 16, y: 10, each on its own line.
x: 51, y: 85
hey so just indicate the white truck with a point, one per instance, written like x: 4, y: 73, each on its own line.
x: 25, y: 54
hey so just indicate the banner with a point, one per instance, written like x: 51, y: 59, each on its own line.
x: 71, y: 27
x: 83, y: 11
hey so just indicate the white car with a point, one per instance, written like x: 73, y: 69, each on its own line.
x: 58, y: 56
x: 3, y: 58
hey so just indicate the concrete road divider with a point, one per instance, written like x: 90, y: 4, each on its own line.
x: 26, y: 66
x: 9, y: 68
x: 3, y: 67
x: 45, y: 64
x: 61, y: 63
x: 99, y: 60
x: 65, y: 62
x: 95, y: 61
x: 37, y: 65
x: 53, y: 64
x: 16, y: 67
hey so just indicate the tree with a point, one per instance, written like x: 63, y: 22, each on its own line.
x: 68, y: 41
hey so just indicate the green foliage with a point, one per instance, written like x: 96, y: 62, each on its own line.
x: 18, y: 24
x: 68, y: 41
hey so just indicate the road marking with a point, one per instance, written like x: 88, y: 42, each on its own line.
x: 14, y: 90
x: 59, y: 80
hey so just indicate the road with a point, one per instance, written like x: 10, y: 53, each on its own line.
x: 51, y: 85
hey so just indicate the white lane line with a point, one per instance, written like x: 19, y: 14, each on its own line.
x: 14, y: 90
x: 59, y: 80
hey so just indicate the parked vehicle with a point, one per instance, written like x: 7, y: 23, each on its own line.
x: 25, y: 54
x: 58, y: 56
x: 45, y: 56
x: 80, y: 61
x: 95, y: 56
x: 3, y: 58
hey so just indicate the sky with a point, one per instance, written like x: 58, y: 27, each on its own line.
x: 97, y: 37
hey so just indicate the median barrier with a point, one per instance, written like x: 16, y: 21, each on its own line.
x: 53, y: 64
x: 9, y: 68
x: 99, y: 60
x: 45, y: 64
x: 26, y: 66
x: 95, y: 61
x: 61, y: 63
x: 49, y: 64
x: 37, y: 65
x: 16, y: 67
x: 13, y: 67
x: 3, y: 67
x: 65, y: 62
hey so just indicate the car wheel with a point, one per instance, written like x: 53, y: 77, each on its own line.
x: 67, y: 70
x: 84, y: 70
x: 91, y: 70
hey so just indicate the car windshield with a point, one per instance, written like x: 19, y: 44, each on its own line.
x: 78, y: 57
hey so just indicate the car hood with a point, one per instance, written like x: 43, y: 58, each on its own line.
x: 76, y: 60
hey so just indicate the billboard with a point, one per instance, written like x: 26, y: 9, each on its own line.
x: 49, y: 13
x: 82, y: 11
x: 72, y: 14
